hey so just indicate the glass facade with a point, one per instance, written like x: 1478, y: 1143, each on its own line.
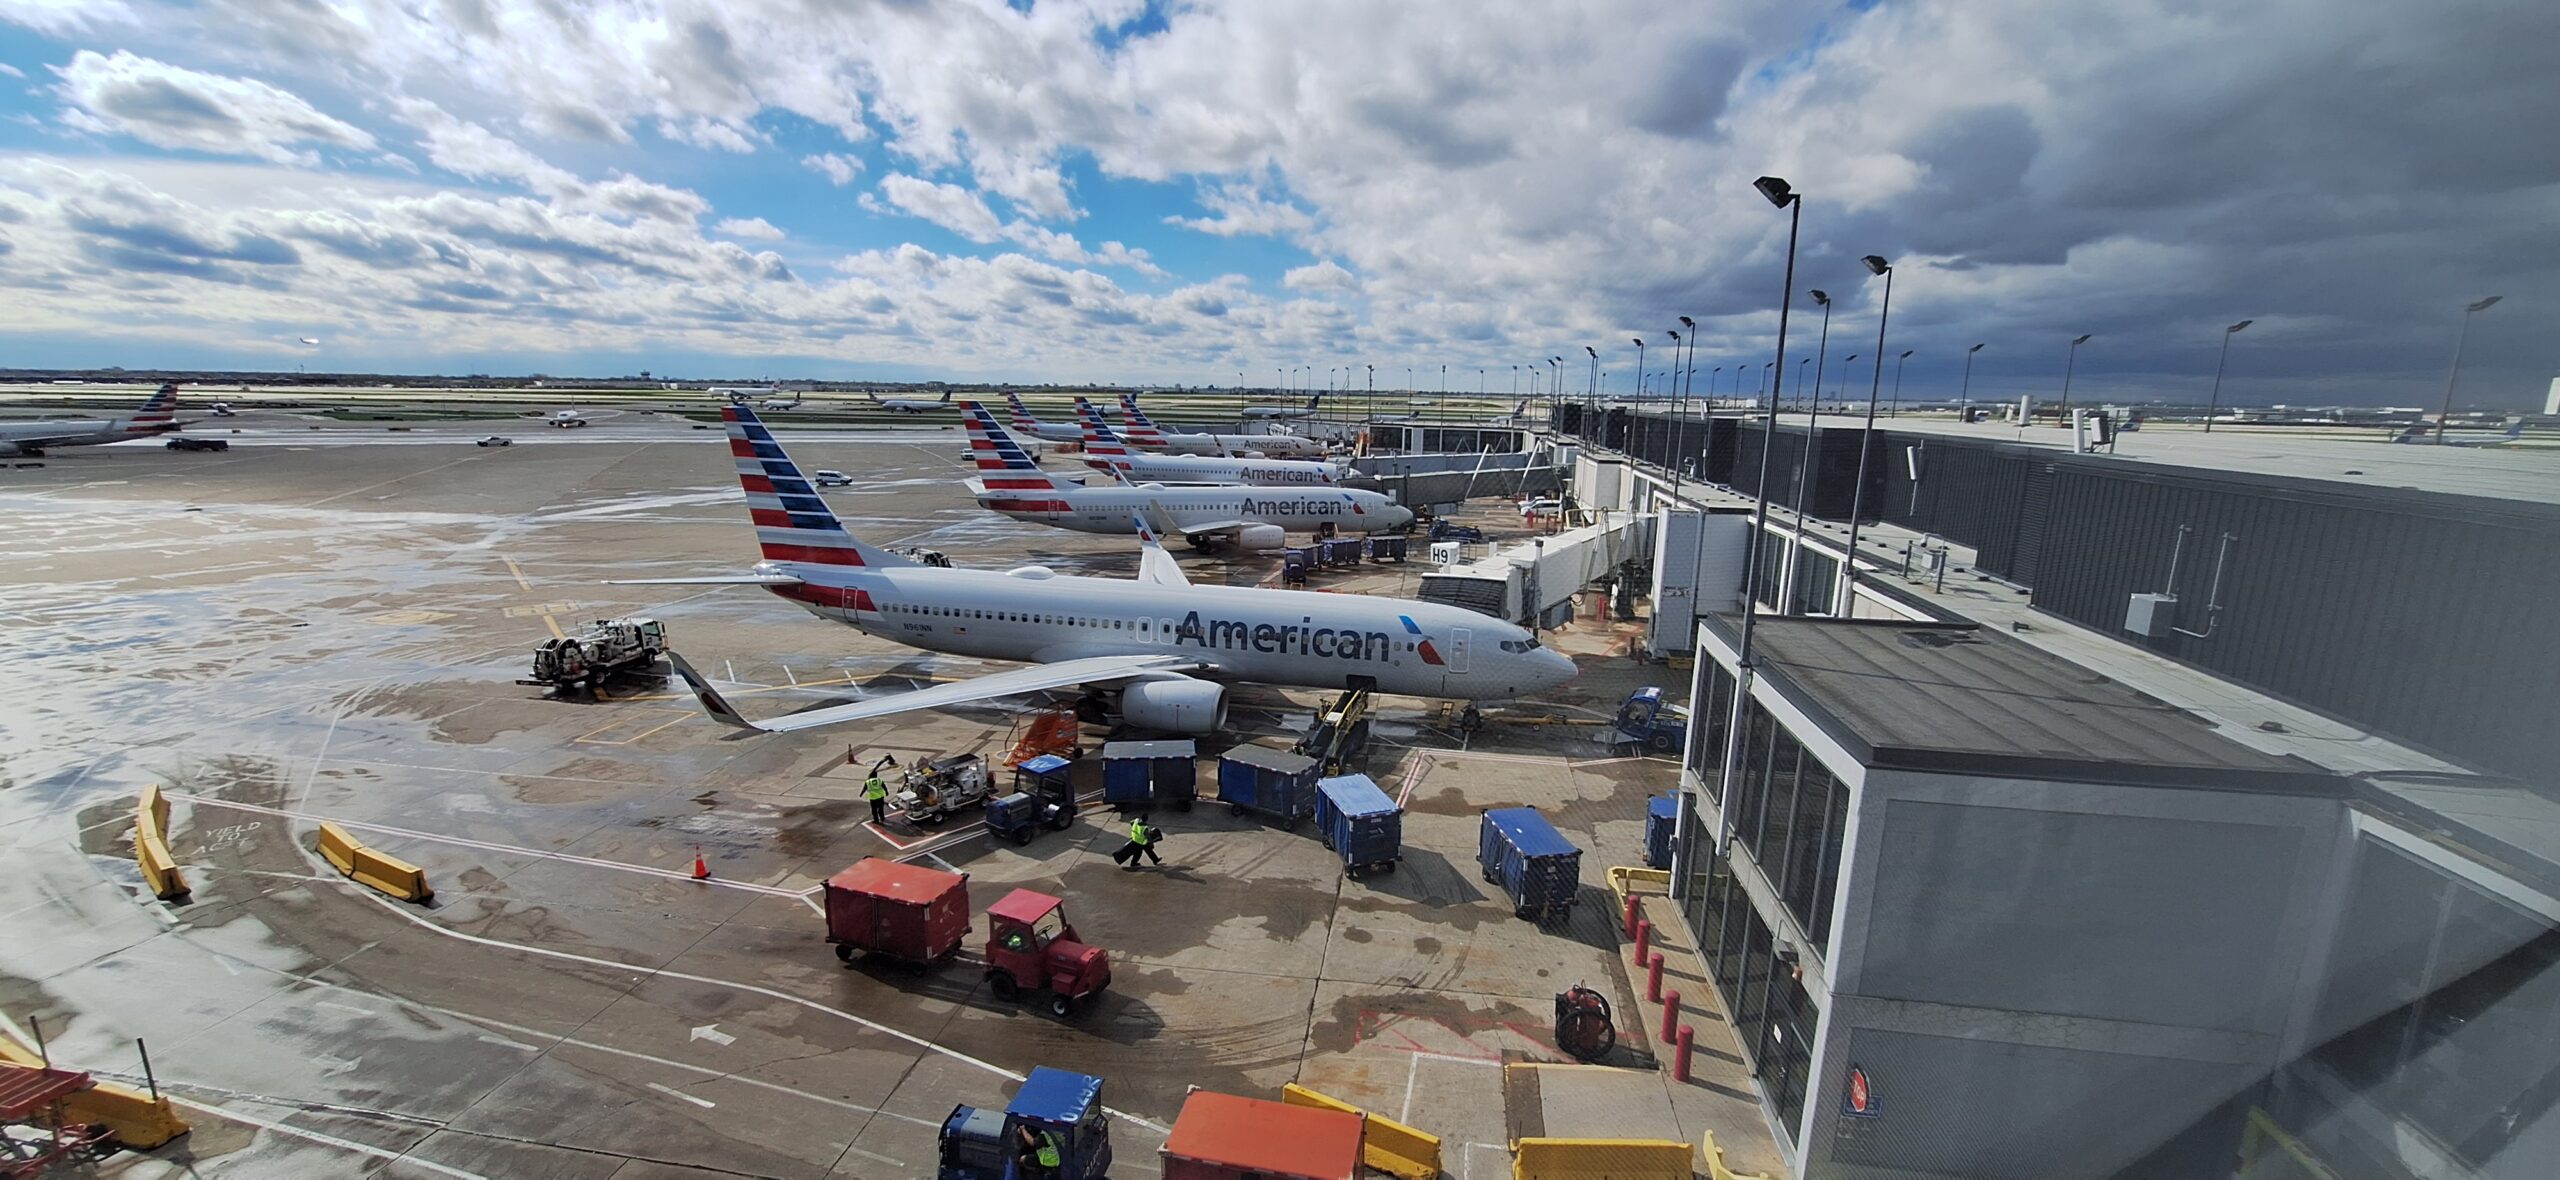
x: 1707, y: 724
x: 1815, y: 575
x: 1789, y: 809
x: 1773, y: 1016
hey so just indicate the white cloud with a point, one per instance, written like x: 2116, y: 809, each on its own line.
x: 1237, y: 211
x: 947, y: 205
x: 838, y: 169
x: 754, y: 229
x: 712, y: 134
x: 469, y: 149
x: 11, y: 71
x: 173, y: 107
x: 1321, y: 275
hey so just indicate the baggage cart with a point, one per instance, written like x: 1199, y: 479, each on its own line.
x: 906, y: 913
x: 1224, y: 1137
x: 1141, y: 774
x: 1276, y: 783
x: 1661, y: 821
x: 1360, y: 822
x: 1534, y: 864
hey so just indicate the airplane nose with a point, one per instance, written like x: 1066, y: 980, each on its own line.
x: 1559, y: 668
x: 1398, y: 516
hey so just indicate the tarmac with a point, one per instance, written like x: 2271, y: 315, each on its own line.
x: 329, y: 626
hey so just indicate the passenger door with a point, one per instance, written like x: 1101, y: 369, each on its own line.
x: 1457, y: 649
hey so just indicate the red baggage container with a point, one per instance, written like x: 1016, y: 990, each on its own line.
x: 1223, y: 1137
x: 909, y: 913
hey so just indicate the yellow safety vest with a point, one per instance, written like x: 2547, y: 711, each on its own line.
x: 873, y: 788
x: 1049, y: 1156
x: 1137, y: 831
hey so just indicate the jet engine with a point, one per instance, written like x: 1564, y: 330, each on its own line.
x: 1261, y: 538
x: 1177, y: 704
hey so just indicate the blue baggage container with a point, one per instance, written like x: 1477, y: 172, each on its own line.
x: 1661, y: 819
x: 1534, y: 864
x: 1140, y: 774
x: 1341, y: 552
x: 1277, y: 783
x: 1383, y: 548
x: 1360, y: 822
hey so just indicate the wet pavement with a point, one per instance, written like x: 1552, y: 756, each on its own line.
x: 289, y: 633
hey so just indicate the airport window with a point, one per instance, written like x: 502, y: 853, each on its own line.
x: 1785, y: 1061
x: 1772, y: 565
x: 1707, y: 727
x: 1804, y: 855
x: 1826, y: 888
x: 1815, y: 573
x: 1751, y: 1004
x: 1770, y: 843
x: 1751, y: 791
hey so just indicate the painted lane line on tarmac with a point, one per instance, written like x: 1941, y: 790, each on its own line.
x: 400, y: 1157
x: 589, y: 960
x: 672, y: 1092
x: 344, y: 1007
x: 486, y: 846
x: 493, y: 1039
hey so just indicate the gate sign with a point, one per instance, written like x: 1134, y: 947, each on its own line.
x: 1857, y: 1097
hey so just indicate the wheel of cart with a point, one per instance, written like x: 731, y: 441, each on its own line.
x: 1584, y: 1029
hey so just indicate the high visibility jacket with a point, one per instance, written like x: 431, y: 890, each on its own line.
x: 1138, y: 832
x: 1050, y: 1156
x: 873, y: 788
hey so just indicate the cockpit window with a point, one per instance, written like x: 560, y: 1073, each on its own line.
x: 1518, y: 645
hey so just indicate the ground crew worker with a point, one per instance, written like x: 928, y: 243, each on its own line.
x: 1040, y: 1155
x: 877, y: 794
x: 1142, y: 842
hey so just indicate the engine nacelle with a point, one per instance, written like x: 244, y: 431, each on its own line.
x: 1261, y: 538
x: 1175, y: 705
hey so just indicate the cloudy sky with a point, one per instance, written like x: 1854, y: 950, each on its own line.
x: 1205, y: 192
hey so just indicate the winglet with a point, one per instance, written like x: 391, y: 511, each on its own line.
x: 1154, y: 564
x: 711, y: 700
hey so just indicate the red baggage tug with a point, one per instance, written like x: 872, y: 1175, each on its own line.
x: 1223, y: 1137
x: 907, y: 913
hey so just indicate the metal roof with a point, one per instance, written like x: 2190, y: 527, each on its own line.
x: 1956, y: 698
x: 1055, y: 1096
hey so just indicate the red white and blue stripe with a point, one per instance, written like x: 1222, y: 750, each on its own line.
x: 1141, y: 432
x: 1421, y: 643
x: 1003, y: 464
x: 792, y: 522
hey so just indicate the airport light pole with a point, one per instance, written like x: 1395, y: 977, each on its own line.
x: 1821, y: 358
x: 1555, y: 388
x: 1898, y: 362
x: 2070, y: 362
x: 1780, y: 194
x: 1964, y: 399
x: 1591, y: 387
x: 2216, y: 402
x: 2456, y: 373
x: 1369, y: 401
x: 1876, y: 265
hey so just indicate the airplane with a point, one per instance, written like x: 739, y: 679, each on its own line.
x: 1166, y: 647
x: 2423, y: 433
x: 775, y: 403
x: 1266, y: 413
x: 567, y: 419
x: 908, y: 405
x: 157, y: 416
x: 1255, y: 520
x: 1146, y: 435
x: 1044, y: 431
x: 1104, y: 450
x: 739, y: 393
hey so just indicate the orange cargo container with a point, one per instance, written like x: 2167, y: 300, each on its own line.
x: 1223, y: 1137
x: 909, y: 913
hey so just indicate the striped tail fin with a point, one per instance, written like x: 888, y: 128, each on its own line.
x: 1002, y: 463
x: 1022, y: 418
x: 1141, y: 432
x: 160, y: 409
x: 792, y: 522
x: 1099, y: 438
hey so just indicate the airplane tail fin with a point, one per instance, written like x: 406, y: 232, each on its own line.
x: 712, y: 702
x: 1021, y: 413
x: 2515, y: 429
x: 1313, y: 402
x: 160, y: 409
x: 946, y: 397
x: 1099, y: 438
x: 2416, y: 433
x: 1002, y: 463
x: 792, y: 522
x: 1141, y: 432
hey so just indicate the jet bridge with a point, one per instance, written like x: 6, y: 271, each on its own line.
x: 1533, y: 583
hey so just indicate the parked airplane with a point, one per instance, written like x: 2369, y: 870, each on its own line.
x: 1168, y: 648
x: 740, y: 393
x: 1251, y: 519
x: 1147, y: 436
x: 775, y: 403
x: 1270, y: 412
x: 1104, y: 450
x: 2424, y: 434
x: 157, y: 416
x: 566, y: 419
x: 1044, y: 431
x: 908, y: 405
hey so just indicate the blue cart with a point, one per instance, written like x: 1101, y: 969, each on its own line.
x: 1142, y: 774
x: 1661, y: 820
x: 1294, y: 564
x: 1341, y: 553
x: 1276, y: 783
x: 1064, y: 1108
x: 1535, y: 865
x: 1383, y: 548
x: 1360, y: 823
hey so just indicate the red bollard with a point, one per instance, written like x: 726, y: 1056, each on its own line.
x: 1644, y: 939
x: 1680, y: 1053
x: 1629, y: 921
x: 1670, y: 1013
x: 1653, y: 978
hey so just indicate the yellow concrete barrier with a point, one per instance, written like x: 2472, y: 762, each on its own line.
x: 1600, y: 1159
x: 1385, y: 1144
x: 137, y: 1120
x: 1711, y: 1162
x: 1625, y: 879
x: 151, y: 846
x: 387, y: 874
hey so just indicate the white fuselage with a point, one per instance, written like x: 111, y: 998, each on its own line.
x: 1210, y: 469
x: 1046, y: 431
x: 75, y: 432
x: 1275, y: 446
x: 1284, y: 637
x: 1109, y: 510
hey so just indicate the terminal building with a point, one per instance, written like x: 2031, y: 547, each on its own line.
x: 2185, y: 811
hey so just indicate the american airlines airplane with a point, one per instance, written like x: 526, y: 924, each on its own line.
x: 157, y: 416
x: 1104, y: 450
x: 909, y: 405
x: 1252, y: 519
x: 1166, y: 647
x: 1147, y: 436
x: 1065, y: 432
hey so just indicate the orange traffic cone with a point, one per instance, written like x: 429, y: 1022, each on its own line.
x: 701, y: 871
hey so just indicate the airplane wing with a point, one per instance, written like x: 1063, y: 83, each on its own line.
x: 1154, y: 564
x: 1062, y: 674
x: 715, y: 580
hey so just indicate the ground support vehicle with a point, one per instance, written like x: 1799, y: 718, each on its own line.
x: 906, y: 913
x: 988, y: 1145
x: 1278, y: 783
x: 1031, y: 948
x: 1360, y: 823
x: 1224, y: 1137
x: 932, y: 792
x: 198, y: 444
x: 596, y: 653
x: 1338, y: 738
x: 1535, y: 866
x: 1645, y: 719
